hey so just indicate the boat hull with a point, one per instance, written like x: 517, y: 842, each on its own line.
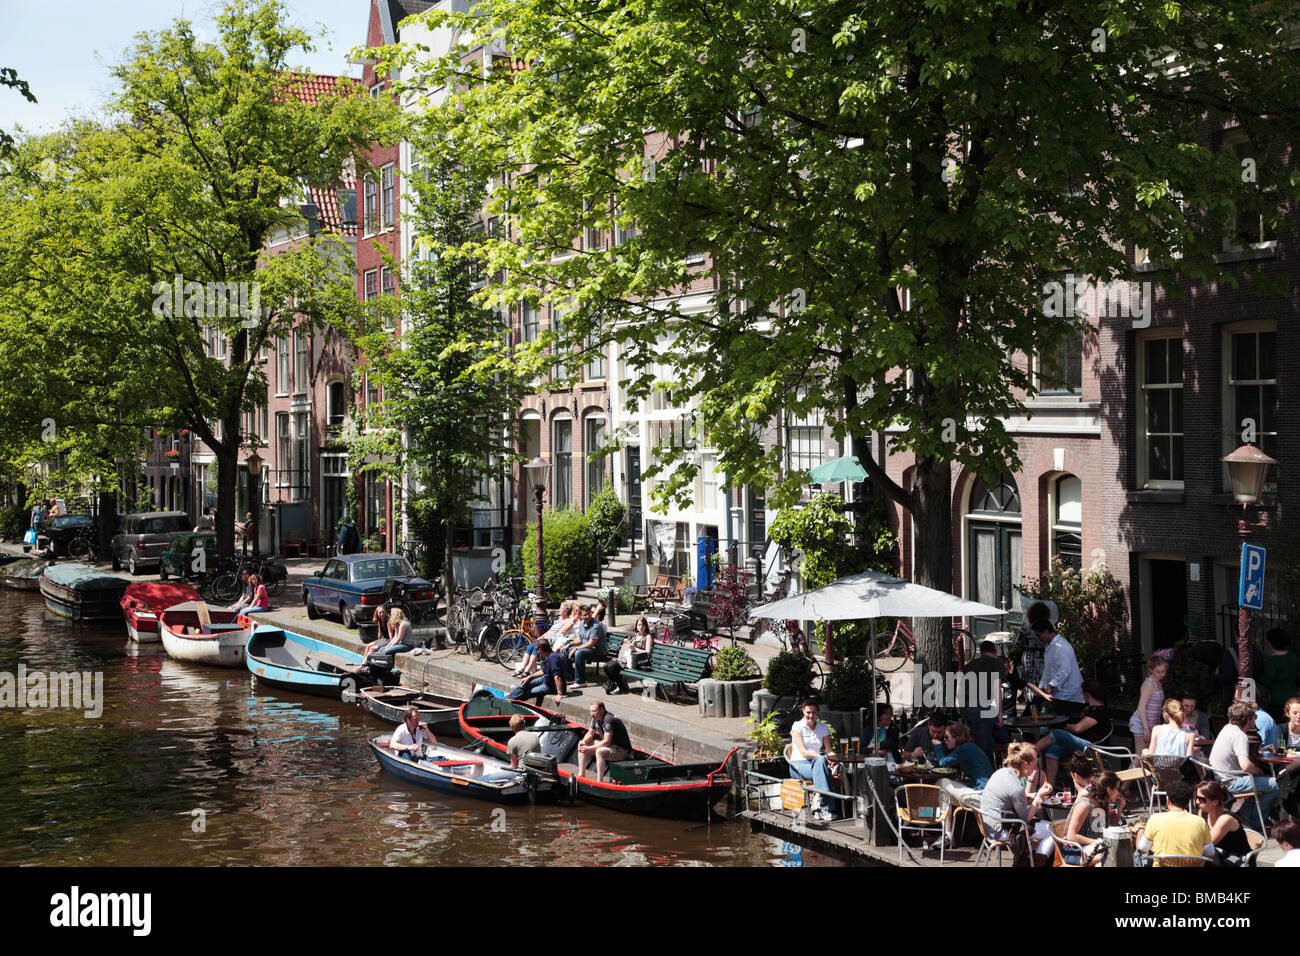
x: 144, y: 601
x: 510, y: 787
x: 80, y: 593
x: 224, y: 648
x: 295, y: 662
x: 24, y: 574
x: 683, y: 791
x: 442, y: 714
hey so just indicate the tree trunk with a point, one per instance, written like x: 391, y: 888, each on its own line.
x: 227, y: 471
x: 448, y: 572
x: 932, y: 559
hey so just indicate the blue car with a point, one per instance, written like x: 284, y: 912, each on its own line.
x: 354, y: 586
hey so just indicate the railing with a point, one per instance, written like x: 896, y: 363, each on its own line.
x: 1260, y: 622
x: 625, y: 532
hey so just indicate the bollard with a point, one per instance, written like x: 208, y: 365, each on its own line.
x: 610, y: 605
x: 1119, y: 847
x: 877, y: 831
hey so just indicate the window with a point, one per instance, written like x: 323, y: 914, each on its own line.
x: 371, y: 285
x: 595, y: 468
x: 374, y: 487
x: 282, y: 366
x: 559, y: 372
x: 593, y: 370
x: 388, y: 286
x: 529, y: 321
x: 1061, y: 372
x: 386, y: 218
x: 1249, y: 230
x: 1160, y: 455
x: 301, y: 459
x: 264, y: 429
x: 710, y: 498
x: 301, y: 347
x: 1067, y: 524
x: 377, y: 90
x: 347, y: 206
x: 335, y: 404
x: 804, y: 436
x: 562, y: 459
x: 372, y: 392
x: 371, y: 192
x: 283, y: 448
x: 1251, y: 396
x: 625, y: 231
x: 593, y: 237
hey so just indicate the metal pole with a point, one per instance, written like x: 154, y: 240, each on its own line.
x: 541, y: 571
x: 1245, y: 668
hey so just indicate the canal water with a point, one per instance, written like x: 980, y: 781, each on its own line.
x: 195, y: 766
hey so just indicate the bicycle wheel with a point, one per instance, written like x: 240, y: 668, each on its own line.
x: 458, y: 622
x: 891, y: 652
x: 511, y: 647
x: 485, y: 640
x: 225, y: 587
x: 963, y: 643
x: 816, y: 677
x: 79, y: 548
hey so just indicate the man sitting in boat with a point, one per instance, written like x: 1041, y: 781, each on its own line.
x: 523, y: 742
x: 412, y: 734
x: 549, y: 675
x: 607, y: 740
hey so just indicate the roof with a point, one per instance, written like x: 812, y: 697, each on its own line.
x: 310, y: 87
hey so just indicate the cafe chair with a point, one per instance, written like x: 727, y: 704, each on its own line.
x: 1062, y: 846
x: 920, y: 808
x: 989, y: 843
x: 1178, y: 859
x: 1226, y: 777
x: 1163, y: 770
x: 1124, y: 764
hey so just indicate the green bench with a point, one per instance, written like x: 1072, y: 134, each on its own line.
x: 672, y: 666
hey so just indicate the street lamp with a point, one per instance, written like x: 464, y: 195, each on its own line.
x: 1247, y: 467
x: 254, y: 462
x: 537, y: 471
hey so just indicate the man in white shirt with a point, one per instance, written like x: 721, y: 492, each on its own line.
x: 411, y: 735
x: 1061, y: 677
x: 810, y: 757
x: 1230, y: 757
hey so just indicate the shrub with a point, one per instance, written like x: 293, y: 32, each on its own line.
x: 734, y: 663
x: 605, y: 515
x: 768, y: 739
x: 1093, y: 610
x: 14, y: 522
x: 626, y: 596
x: 787, y: 673
x: 850, y: 684
x: 566, y: 547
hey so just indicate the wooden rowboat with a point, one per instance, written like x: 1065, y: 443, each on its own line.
x: 642, y: 784
x: 202, y: 635
x: 389, y: 704
x: 465, y: 774
x: 296, y: 662
x: 24, y: 574
x: 145, y: 600
x: 81, y: 592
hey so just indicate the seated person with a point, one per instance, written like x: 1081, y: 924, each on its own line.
x: 1083, y: 824
x: 1108, y: 794
x: 1265, y: 726
x: 1197, y: 721
x: 1227, y: 832
x: 1089, y: 727
x: 810, y: 758
x: 245, y: 596
x: 260, y: 601
x: 798, y: 640
x: 886, y: 741
x: 1288, y: 733
x: 559, y: 634
x: 1170, y: 738
x: 1176, y: 831
x: 920, y: 742
x: 958, y: 750
x: 1287, y: 835
x: 1004, y: 798
x: 411, y: 735
x: 591, y: 647
x: 523, y: 741
x: 548, y: 676
x: 1230, y: 757
x: 400, y: 628
x: 635, y: 652
x: 607, y: 741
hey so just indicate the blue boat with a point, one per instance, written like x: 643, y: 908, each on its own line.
x: 464, y: 773
x: 296, y: 662
x: 83, y: 593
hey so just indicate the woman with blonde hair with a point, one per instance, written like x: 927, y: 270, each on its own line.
x: 559, y: 634
x: 399, y: 627
x: 1004, y: 798
x: 1170, y: 737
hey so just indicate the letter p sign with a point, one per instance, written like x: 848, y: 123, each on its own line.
x: 1251, y: 591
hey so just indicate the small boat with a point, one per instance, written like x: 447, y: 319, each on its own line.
x: 24, y: 574
x: 642, y: 784
x: 194, y: 632
x: 145, y: 600
x: 442, y: 714
x: 7, y: 557
x: 82, y: 593
x: 296, y: 662
x: 467, y: 774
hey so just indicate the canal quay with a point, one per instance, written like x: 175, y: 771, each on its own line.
x: 192, y: 765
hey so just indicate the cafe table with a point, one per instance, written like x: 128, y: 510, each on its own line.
x: 1039, y: 724
x: 1279, y: 762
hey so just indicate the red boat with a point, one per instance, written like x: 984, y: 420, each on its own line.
x: 642, y: 784
x: 145, y: 600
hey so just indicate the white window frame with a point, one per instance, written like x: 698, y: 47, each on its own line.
x: 1143, y: 480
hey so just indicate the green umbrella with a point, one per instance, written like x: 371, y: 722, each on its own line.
x: 839, y: 469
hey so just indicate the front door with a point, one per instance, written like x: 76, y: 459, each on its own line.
x: 994, y: 569
x: 634, y: 488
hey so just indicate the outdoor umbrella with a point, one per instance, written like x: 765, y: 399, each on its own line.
x: 838, y: 469
x: 871, y: 594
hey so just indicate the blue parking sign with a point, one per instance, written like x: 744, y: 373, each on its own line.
x: 1250, y: 592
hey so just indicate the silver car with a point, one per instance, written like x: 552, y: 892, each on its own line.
x: 144, y: 537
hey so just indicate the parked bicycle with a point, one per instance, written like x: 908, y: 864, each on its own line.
x: 82, y: 547
x: 900, y: 646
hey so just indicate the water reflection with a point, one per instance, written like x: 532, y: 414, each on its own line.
x: 280, y: 779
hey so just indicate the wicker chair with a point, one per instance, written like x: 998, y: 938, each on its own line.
x: 920, y: 808
x: 1123, y: 763
x: 1163, y: 770
x: 1226, y: 777
x: 1178, y: 859
x: 989, y: 843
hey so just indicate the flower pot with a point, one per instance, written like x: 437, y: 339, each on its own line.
x: 766, y: 795
x: 847, y: 723
x: 726, y: 698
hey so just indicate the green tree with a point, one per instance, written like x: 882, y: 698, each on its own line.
x: 878, y: 194
x: 452, y: 385
x: 9, y: 77
x: 209, y: 158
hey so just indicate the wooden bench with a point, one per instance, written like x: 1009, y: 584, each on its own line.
x: 672, y: 666
x: 666, y: 588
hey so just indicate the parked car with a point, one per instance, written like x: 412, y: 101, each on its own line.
x: 353, y: 587
x: 54, y: 535
x: 179, y: 558
x: 142, y: 538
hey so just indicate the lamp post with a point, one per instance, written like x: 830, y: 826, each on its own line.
x: 537, y: 471
x: 1247, y: 467
x: 254, y: 501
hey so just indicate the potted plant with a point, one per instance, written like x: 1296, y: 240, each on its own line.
x: 788, y: 674
x: 850, y: 686
x: 726, y: 692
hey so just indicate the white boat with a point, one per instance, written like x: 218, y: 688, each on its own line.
x: 145, y: 600
x: 194, y: 632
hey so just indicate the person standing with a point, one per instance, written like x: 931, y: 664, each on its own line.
x: 1279, y: 672
x: 349, y: 539
x: 1061, y: 678
x: 982, y: 727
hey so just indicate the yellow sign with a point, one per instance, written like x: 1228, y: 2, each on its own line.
x: 792, y: 794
